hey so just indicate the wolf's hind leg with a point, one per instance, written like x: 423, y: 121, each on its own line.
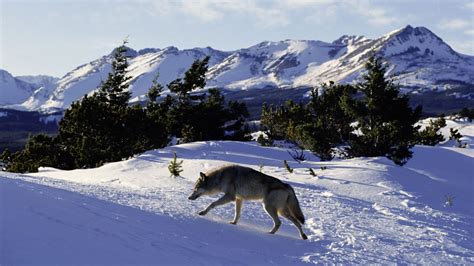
x: 223, y: 200
x: 295, y: 221
x: 272, y: 211
x: 238, y: 208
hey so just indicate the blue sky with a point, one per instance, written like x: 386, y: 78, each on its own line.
x: 55, y: 36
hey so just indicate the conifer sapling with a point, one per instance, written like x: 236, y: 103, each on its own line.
x: 175, y: 167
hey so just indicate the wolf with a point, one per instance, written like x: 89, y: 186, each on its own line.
x: 239, y: 183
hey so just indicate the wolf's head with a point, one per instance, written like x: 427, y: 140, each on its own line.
x: 200, y: 188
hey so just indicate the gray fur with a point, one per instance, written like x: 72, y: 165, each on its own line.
x: 240, y: 183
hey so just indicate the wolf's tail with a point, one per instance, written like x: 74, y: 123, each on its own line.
x: 294, y: 205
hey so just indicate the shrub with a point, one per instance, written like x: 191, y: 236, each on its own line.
x: 174, y: 166
x: 431, y: 135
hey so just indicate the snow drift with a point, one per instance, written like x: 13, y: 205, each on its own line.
x: 363, y: 210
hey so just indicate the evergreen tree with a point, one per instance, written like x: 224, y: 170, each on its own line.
x: 202, y: 116
x: 154, y: 133
x: 329, y: 124
x: 115, y: 89
x: 5, y: 159
x: 174, y: 166
x: 431, y: 135
x: 384, y: 118
x: 194, y: 78
x: 40, y: 150
x: 456, y: 136
x: 279, y: 122
x: 180, y: 114
x: 103, y: 127
x: 89, y: 131
x: 235, y: 127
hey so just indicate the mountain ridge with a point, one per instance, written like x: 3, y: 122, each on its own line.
x: 417, y: 59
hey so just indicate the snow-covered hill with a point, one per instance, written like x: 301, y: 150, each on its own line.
x: 417, y: 59
x: 13, y: 90
x: 358, y: 211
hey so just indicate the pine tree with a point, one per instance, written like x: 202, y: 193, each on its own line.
x: 278, y: 122
x: 115, y: 89
x: 154, y: 133
x: 181, y: 112
x: 194, y: 78
x: 5, y: 159
x: 431, y: 135
x: 174, y: 166
x: 202, y: 116
x: 103, y: 127
x: 329, y: 124
x: 40, y: 150
x: 456, y: 136
x: 384, y: 118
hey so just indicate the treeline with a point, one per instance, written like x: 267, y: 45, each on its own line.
x: 371, y: 118
x: 103, y: 127
x: 367, y: 119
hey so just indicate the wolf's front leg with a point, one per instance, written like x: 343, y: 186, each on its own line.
x: 223, y: 200
x: 238, y: 207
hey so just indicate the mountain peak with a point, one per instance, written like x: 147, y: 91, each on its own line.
x: 418, y: 41
x: 129, y: 52
x: 408, y: 31
x: 348, y: 39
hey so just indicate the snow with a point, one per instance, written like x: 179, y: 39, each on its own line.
x: 464, y: 127
x: 358, y: 211
x: 13, y: 90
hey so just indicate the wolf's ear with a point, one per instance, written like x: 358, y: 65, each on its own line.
x: 202, y: 176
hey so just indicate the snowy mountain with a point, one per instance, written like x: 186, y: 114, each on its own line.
x: 358, y: 211
x: 13, y: 90
x: 39, y: 81
x: 417, y: 59
x: 145, y: 64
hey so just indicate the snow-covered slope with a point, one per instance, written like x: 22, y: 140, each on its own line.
x: 13, y: 90
x: 358, y: 211
x: 38, y: 81
x: 417, y: 59
x: 145, y: 64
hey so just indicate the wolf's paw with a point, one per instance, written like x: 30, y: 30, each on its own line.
x: 202, y: 213
x: 304, y: 237
x: 233, y: 222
